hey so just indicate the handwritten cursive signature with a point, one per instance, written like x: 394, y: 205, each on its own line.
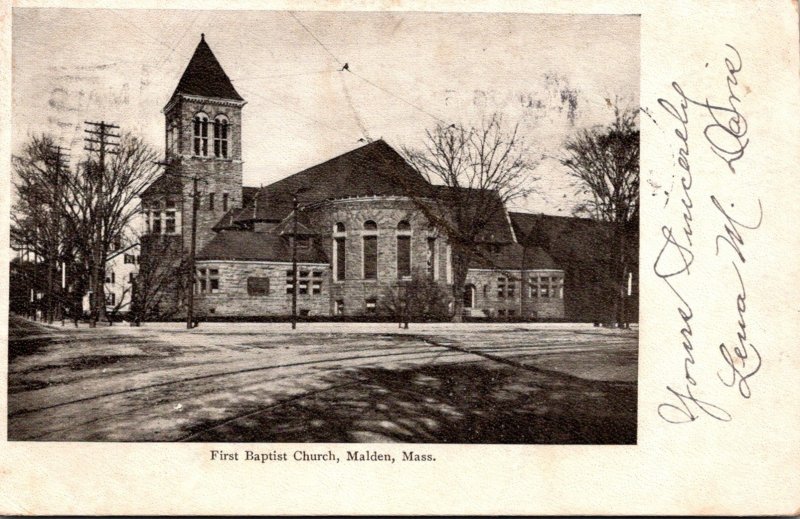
x: 745, y: 361
x: 727, y: 137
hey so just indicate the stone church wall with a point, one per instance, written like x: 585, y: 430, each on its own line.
x: 233, y: 298
x: 386, y: 212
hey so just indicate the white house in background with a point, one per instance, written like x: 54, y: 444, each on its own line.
x: 121, y: 268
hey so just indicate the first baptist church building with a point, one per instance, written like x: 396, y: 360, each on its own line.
x: 358, y: 236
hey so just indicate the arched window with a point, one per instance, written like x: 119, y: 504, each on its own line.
x: 370, y: 250
x: 338, y: 252
x: 432, y: 259
x: 201, y: 135
x: 221, y: 137
x: 403, y: 249
x: 172, y: 137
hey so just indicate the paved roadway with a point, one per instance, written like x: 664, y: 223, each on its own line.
x: 468, y: 383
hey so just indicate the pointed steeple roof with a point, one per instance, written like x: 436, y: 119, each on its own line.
x: 204, y: 76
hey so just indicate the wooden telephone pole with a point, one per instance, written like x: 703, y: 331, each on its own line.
x: 294, y: 254
x: 99, y: 142
x: 55, y: 303
x: 192, y: 251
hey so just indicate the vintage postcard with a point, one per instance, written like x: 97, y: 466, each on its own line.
x: 400, y: 258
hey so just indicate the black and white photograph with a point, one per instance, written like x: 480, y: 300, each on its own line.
x: 324, y: 227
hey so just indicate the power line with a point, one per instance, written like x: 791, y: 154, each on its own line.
x: 286, y: 107
x: 118, y: 15
x: 325, y: 71
x: 183, y: 35
x: 337, y: 60
x: 409, y: 103
x: 346, y: 67
x: 359, y: 121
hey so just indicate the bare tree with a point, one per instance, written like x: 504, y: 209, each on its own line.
x: 101, y: 216
x: 605, y: 162
x: 475, y: 172
x: 36, y: 222
x: 60, y: 214
x: 162, y: 273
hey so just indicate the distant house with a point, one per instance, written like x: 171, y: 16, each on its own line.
x: 121, y: 268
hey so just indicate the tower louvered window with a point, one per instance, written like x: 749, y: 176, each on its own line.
x: 201, y: 135
x: 221, y: 137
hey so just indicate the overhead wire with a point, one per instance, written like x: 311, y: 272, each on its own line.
x: 359, y: 120
x: 337, y: 60
x: 346, y: 68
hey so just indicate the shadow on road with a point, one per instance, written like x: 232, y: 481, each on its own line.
x: 464, y: 403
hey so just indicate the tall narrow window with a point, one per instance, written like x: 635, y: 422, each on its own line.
x: 201, y: 281
x: 172, y: 137
x: 316, y: 282
x: 225, y: 202
x: 169, y: 222
x: 176, y: 145
x: 211, y: 201
x: 370, y: 252
x: 501, y: 287
x: 448, y: 264
x: 146, y: 215
x: 172, y: 218
x: 338, y: 252
x: 201, y: 135
x: 213, y: 280
x: 155, y: 221
x: 403, y: 250
x: 221, y: 137
x: 431, y: 259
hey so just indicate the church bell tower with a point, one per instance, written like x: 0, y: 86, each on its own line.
x: 204, y: 140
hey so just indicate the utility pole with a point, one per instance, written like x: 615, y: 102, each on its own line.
x: 98, y: 142
x: 55, y: 203
x: 192, y: 249
x: 294, y: 255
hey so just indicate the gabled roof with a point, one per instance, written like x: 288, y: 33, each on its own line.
x: 204, y: 76
x: 375, y: 169
x: 514, y: 256
x: 256, y: 246
x: 166, y: 184
x: 542, y: 229
x: 248, y: 194
x: 286, y: 227
x: 483, y: 206
x: 227, y: 221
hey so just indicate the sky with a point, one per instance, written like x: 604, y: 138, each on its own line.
x: 551, y: 74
